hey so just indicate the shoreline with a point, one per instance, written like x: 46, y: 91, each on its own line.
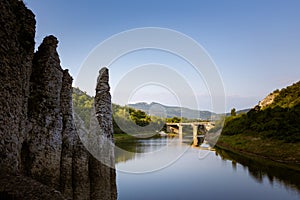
x: 119, y: 137
x: 290, y: 162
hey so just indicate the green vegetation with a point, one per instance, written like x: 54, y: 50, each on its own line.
x: 275, y: 123
x: 128, y: 117
x: 135, y: 121
x: 139, y: 117
x: 82, y: 105
x: 173, y: 120
x: 272, y: 131
x: 288, y: 97
x: 233, y: 112
x: 275, y: 150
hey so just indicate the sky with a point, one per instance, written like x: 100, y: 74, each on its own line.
x: 255, y: 45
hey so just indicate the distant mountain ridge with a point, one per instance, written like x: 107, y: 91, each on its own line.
x: 174, y: 111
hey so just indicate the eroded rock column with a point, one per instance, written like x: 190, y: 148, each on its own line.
x: 103, y: 181
x: 16, y: 52
x: 68, y: 136
x: 45, y: 116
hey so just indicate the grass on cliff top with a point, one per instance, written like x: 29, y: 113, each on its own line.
x: 276, y: 150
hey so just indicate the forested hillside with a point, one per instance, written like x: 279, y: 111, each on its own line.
x: 279, y: 119
x: 83, y: 104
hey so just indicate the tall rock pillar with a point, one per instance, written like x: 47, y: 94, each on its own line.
x: 103, y: 181
x: 44, y: 140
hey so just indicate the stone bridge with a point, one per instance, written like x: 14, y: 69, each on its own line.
x: 177, y: 127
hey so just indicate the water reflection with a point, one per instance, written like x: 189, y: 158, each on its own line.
x: 134, y: 148
x: 259, y: 169
x: 148, y: 155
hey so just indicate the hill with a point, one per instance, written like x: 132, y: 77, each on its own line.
x: 277, y: 117
x: 240, y: 111
x: 175, y: 111
x: 83, y: 104
x: 271, y: 128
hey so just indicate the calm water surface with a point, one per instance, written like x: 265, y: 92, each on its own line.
x: 169, y: 168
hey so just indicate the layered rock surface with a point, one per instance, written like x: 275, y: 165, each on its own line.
x: 39, y: 141
x: 16, y: 54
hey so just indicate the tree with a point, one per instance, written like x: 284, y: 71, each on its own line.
x: 233, y: 113
x: 139, y: 117
x: 173, y: 120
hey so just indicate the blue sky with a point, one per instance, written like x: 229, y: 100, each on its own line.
x: 255, y: 44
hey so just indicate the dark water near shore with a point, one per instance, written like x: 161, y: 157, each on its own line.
x: 169, y: 168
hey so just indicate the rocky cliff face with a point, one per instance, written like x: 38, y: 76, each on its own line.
x: 38, y: 136
x: 16, y: 54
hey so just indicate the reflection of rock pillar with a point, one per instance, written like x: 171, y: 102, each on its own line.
x: 195, y: 131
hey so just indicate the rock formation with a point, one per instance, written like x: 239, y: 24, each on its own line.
x: 16, y: 54
x: 39, y: 142
x: 69, y: 137
x: 103, y: 103
x: 103, y: 112
x: 44, y: 141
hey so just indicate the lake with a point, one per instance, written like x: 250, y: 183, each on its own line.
x: 170, y: 168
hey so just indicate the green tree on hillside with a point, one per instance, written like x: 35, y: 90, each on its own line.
x: 233, y: 112
x: 82, y: 105
x: 139, y: 117
x: 173, y: 120
x: 279, y: 120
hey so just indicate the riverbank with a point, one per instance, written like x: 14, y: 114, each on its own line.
x: 287, y: 154
x: 123, y: 136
